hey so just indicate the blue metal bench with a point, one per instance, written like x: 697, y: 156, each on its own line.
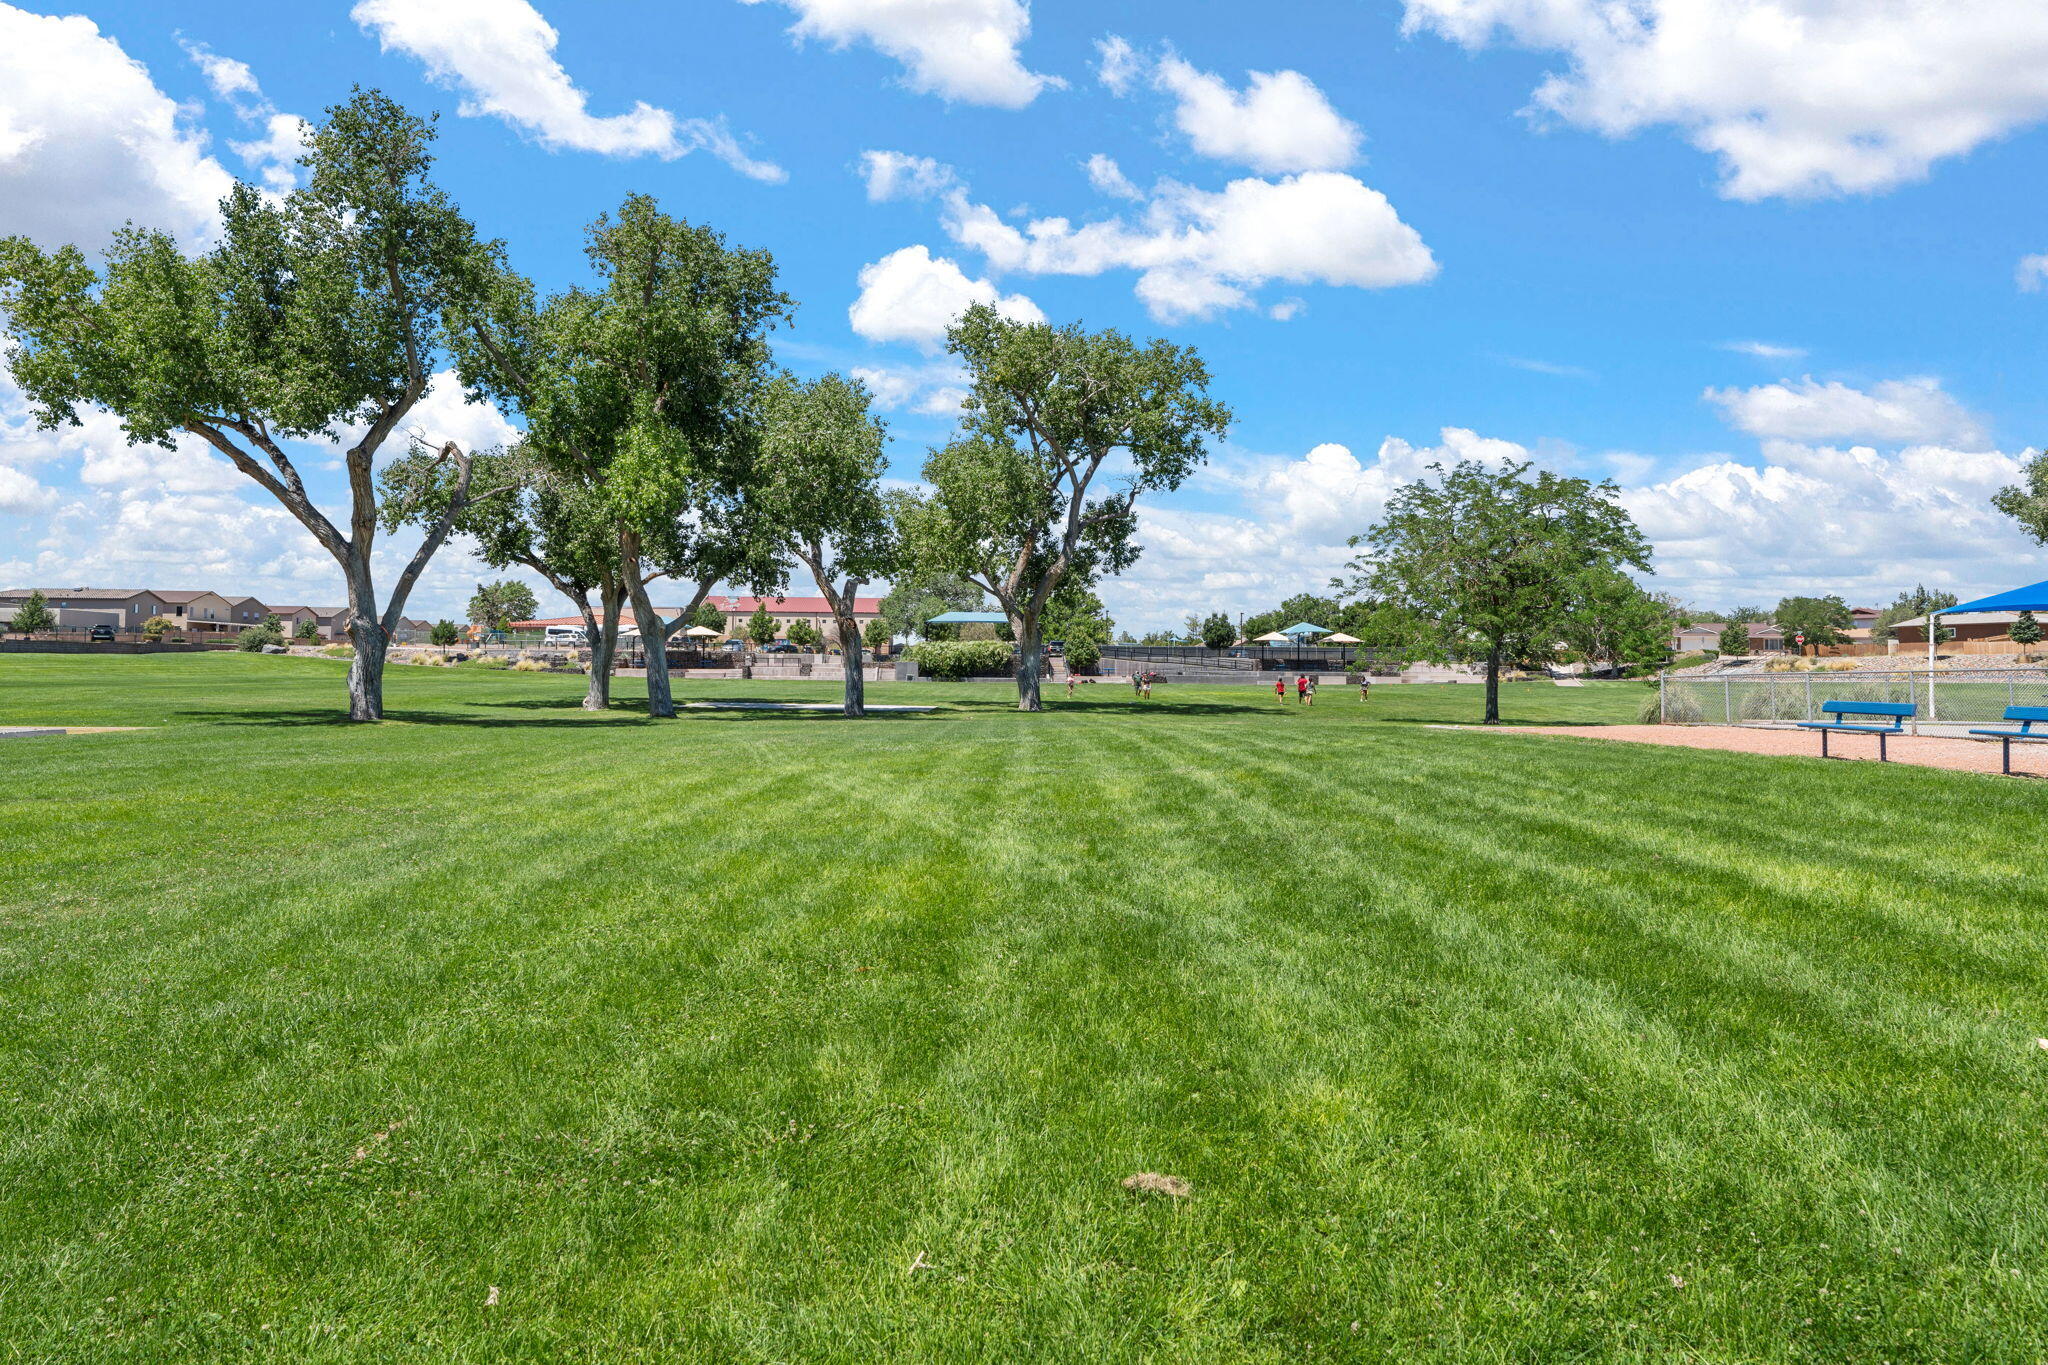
x: 1899, y: 711
x: 2028, y: 717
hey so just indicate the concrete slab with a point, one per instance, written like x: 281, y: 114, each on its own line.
x: 25, y: 732
x: 831, y: 706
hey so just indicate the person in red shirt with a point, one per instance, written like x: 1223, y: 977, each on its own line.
x: 1280, y: 687
x: 1301, y: 688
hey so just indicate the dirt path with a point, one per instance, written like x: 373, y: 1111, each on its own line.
x: 1962, y: 755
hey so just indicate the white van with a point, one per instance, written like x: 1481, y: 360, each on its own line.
x: 564, y: 635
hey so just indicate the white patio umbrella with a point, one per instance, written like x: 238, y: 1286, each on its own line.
x: 704, y: 632
x: 1272, y: 637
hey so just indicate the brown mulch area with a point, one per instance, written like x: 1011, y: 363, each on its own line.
x: 1962, y: 755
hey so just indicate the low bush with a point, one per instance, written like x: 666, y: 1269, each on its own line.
x: 340, y: 651
x: 254, y: 638
x: 1679, y: 707
x: 950, y: 660
x: 532, y: 666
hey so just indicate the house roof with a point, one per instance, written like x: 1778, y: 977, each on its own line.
x: 79, y: 594
x: 178, y: 597
x: 282, y: 610
x: 792, y: 606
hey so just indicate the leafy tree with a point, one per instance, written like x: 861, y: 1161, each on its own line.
x: 305, y: 630
x: 34, y: 614
x: 1484, y: 556
x: 708, y: 617
x: 1908, y: 606
x: 320, y: 314
x: 1734, y: 638
x: 1746, y: 616
x: 1822, y: 620
x: 876, y: 636
x: 638, y: 392
x: 156, y: 627
x: 2026, y: 502
x: 916, y: 596
x: 1609, y: 619
x: 495, y: 606
x: 2026, y: 631
x: 1012, y: 506
x: 761, y: 626
x: 1217, y: 632
x: 445, y: 633
x: 804, y: 635
x: 819, y: 492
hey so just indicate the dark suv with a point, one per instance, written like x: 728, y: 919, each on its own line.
x: 103, y: 633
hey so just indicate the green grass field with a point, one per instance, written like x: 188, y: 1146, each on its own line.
x: 503, y: 1032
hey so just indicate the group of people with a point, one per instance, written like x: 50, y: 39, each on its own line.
x: 1305, y: 688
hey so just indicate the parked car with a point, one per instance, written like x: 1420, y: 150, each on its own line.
x: 1056, y: 647
x: 781, y: 647
x: 734, y: 646
x: 564, y: 635
x: 103, y: 633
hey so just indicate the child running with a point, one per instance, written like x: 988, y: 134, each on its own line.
x: 1301, y: 688
x: 1280, y: 687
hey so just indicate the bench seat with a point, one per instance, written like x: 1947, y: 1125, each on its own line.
x: 1894, y: 711
x: 2028, y: 717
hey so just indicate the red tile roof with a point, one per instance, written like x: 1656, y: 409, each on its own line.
x: 744, y: 606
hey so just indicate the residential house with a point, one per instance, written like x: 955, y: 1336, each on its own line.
x: 289, y: 618
x: 1764, y: 637
x: 1968, y: 625
x: 125, y: 609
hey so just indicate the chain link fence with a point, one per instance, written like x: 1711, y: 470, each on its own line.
x: 1948, y: 701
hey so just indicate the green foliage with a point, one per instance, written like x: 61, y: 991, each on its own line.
x: 1823, y: 620
x: 1304, y: 606
x: 804, y: 635
x: 496, y: 606
x: 954, y: 659
x: 2026, y: 630
x: 1484, y: 558
x: 33, y: 614
x: 1083, y: 655
x: 306, y: 630
x: 1218, y: 631
x: 1909, y: 605
x: 819, y: 486
x: 156, y: 627
x: 915, y: 597
x: 1011, y: 505
x: 253, y: 638
x: 445, y: 633
x: 876, y: 634
x: 761, y: 626
x: 1734, y: 638
x: 2026, y: 502
x: 1609, y: 619
x: 708, y: 617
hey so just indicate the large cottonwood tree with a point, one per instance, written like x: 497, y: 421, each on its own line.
x: 1013, y: 505
x: 320, y: 315
x: 1483, y: 558
x: 819, y: 488
x: 638, y: 392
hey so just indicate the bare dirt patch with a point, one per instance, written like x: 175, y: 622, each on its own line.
x: 1961, y: 755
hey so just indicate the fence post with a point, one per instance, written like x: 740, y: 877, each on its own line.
x: 1809, y: 697
x: 1727, y: 701
x: 1663, y: 679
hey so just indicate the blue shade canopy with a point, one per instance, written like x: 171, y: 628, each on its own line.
x: 2033, y: 597
x: 963, y: 618
x: 1304, y: 628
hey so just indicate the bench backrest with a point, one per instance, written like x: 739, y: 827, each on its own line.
x: 2026, y: 716
x: 1897, y: 710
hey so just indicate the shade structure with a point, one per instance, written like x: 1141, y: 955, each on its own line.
x: 704, y: 632
x: 1272, y: 637
x: 1340, y: 638
x: 1305, y: 628
x: 2033, y: 597
x: 968, y: 618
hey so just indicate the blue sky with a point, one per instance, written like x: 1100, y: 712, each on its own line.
x: 1764, y: 262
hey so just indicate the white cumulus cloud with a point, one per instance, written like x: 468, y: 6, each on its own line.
x: 501, y: 55
x: 1796, y: 97
x: 1200, y: 252
x: 1280, y: 122
x: 87, y: 141
x: 1109, y: 178
x: 2032, y: 272
x: 899, y: 175
x: 1894, y: 411
x: 962, y: 50
x: 910, y: 295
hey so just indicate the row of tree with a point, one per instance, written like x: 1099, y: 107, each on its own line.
x: 659, y: 441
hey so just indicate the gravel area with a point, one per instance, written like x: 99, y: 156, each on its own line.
x: 1962, y: 755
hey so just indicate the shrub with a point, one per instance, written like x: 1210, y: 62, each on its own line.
x: 156, y: 627
x: 954, y: 659
x: 445, y: 633
x: 254, y: 638
x: 1083, y: 655
x: 340, y: 651
x: 532, y: 666
x: 34, y: 614
x: 307, y: 631
x: 1680, y: 707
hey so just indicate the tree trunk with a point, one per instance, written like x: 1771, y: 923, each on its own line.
x: 1493, y: 685
x: 653, y: 639
x: 850, y: 657
x: 366, y: 631
x: 604, y: 649
x: 1030, y: 661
